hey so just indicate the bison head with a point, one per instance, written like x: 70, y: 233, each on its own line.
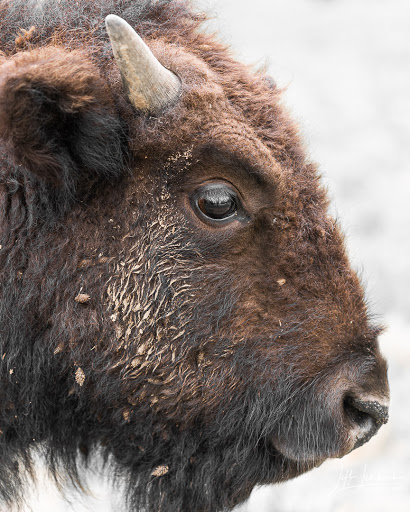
x: 174, y: 292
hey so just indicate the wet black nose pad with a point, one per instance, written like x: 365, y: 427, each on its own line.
x: 366, y: 418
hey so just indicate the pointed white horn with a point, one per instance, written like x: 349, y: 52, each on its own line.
x: 149, y: 85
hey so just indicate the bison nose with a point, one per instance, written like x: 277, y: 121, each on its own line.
x: 366, y: 416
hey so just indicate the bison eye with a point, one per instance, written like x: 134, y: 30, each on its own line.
x: 216, y: 202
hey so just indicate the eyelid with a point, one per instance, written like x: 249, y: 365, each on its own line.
x: 218, y: 191
x: 210, y: 189
x: 218, y: 180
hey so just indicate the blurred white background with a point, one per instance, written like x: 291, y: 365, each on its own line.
x: 346, y: 66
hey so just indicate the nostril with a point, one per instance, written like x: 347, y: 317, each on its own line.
x: 357, y: 416
x: 360, y: 410
x: 367, y: 416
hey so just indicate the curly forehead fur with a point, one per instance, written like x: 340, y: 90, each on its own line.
x: 199, y: 361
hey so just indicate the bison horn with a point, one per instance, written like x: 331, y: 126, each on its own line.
x: 150, y: 86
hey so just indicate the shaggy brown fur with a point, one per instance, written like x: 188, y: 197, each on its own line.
x: 199, y: 360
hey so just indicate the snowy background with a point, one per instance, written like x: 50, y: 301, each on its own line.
x: 346, y: 66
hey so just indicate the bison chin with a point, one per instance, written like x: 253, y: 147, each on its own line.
x: 214, y: 466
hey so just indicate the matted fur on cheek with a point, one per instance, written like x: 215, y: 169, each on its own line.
x: 150, y: 301
x: 164, y: 326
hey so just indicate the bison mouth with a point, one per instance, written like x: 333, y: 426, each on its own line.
x: 329, y: 436
x: 294, y: 456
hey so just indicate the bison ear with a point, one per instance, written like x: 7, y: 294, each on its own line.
x: 57, y: 117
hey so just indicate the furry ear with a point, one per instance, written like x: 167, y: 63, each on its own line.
x: 57, y: 117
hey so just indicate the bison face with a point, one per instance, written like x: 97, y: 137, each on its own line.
x: 197, y: 313
x: 246, y: 315
x: 243, y: 334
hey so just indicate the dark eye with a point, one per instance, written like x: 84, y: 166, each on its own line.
x: 216, y: 202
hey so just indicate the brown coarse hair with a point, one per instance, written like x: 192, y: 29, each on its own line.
x: 200, y: 355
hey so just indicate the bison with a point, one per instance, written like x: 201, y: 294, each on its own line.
x: 174, y: 294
